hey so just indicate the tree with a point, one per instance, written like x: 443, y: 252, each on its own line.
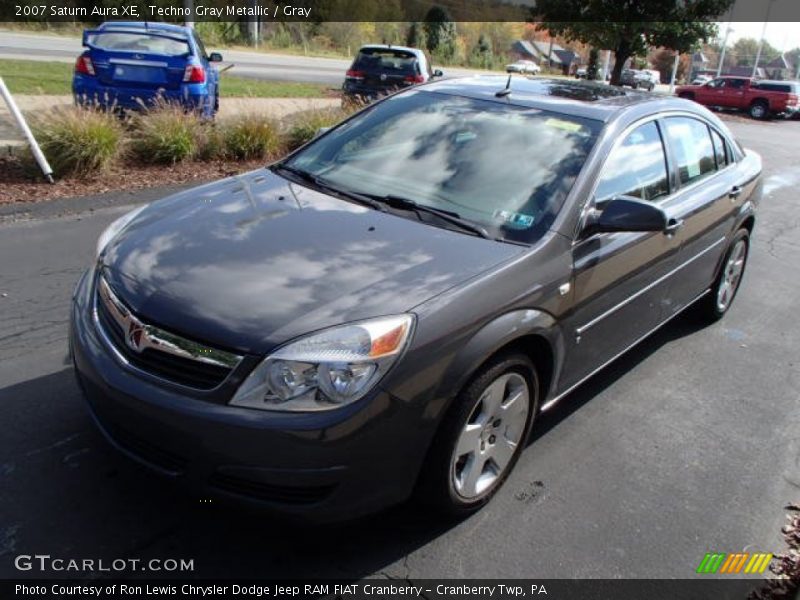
x: 440, y: 33
x: 664, y: 60
x: 482, y: 55
x: 415, y: 38
x: 593, y: 66
x: 629, y: 27
x: 746, y: 49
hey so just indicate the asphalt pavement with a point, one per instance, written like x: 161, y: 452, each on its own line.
x: 688, y: 444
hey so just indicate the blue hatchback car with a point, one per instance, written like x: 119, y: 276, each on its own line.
x: 131, y: 65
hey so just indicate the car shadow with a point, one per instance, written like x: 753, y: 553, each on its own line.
x: 65, y: 492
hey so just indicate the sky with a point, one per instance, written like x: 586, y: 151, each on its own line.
x: 782, y: 35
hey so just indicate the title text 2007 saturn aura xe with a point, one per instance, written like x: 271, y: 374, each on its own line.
x: 389, y: 308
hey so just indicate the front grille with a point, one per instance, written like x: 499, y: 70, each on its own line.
x: 163, y: 363
x: 270, y: 492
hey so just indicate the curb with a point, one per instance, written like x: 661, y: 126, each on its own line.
x: 47, y: 209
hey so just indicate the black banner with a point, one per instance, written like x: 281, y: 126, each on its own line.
x: 319, y: 11
x: 394, y: 589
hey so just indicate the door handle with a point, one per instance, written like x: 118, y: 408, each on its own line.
x: 673, y: 225
x: 735, y: 192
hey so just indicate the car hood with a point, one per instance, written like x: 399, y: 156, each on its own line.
x: 252, y: 261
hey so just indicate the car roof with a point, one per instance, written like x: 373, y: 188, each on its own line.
x: 778, y: 81
x: 144, y: 25
x: 591, y: 100
x: 415, y: 51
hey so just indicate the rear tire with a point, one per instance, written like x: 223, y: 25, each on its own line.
x: 758, y: 110
x: 481, y: 436
x: 723, y: 291
x: 687, y: 96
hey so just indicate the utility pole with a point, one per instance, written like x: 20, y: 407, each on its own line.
x: 606, y: 62
x: 252, y: 25
x: 722, y: 53
x: 761, y: 41
x: 189, y: 6
x: 674, y: 72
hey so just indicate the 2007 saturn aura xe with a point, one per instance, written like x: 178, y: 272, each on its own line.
x: 389, y: 308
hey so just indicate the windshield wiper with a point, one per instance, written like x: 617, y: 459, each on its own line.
x: 379, y: 202
x: 320, y: 183
x: 445, y: 215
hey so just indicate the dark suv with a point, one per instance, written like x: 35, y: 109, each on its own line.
x: 389, y: 308
x: 381, y: 69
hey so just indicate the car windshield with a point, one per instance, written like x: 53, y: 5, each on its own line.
x: 138, y: 42
x: 379, y: 59
x: 506, y: 168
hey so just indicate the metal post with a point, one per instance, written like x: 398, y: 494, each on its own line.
x: 252, y: 25
x: 722, y: 53
x: 761, y: 41
x: 37, y: 152
x: 189, y: 6
x: 674, y: 73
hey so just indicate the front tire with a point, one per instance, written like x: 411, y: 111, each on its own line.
x: 482, y: 436
x: 714, y: 306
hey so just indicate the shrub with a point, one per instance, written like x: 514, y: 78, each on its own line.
x: 165, y: 134
x: 252, y: 136
x: 78, y: 141
x: 210, y: 142
x: 304, y: 126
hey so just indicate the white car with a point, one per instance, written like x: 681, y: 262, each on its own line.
x: 701, y: 79
x: 653, y: 75
x: 523, y: 66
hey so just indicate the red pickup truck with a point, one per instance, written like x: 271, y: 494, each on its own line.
x: 759, y: 97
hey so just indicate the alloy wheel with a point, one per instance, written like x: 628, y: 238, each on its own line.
x: 731, y: 275
x: 490, y: 438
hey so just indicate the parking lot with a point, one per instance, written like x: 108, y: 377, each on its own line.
x: 688, y: 444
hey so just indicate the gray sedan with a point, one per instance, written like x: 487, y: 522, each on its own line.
x: 389, y: 309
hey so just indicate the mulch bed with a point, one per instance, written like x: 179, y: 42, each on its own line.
x: 21, y: 183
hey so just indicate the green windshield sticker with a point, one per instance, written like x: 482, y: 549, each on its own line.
x: 465, y: 136
x: 570, y: 126
x: 517, y: 220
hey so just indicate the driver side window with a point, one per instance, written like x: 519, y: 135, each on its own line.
x: 637, y: 167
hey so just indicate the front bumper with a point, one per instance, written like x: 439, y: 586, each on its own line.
x: 322, y: 466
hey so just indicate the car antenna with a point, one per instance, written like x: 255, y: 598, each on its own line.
x: 505, y: 91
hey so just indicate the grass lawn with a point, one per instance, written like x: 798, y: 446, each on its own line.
x: 41, y: 77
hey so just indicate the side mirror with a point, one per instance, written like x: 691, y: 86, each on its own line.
x: 624, y: 213
x: 215, y: 57
x: 438, y: 73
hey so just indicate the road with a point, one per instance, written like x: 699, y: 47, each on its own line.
x: 689, y: 443
x: 256, y: 65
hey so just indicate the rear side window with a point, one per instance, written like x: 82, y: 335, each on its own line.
x: 138, y: 42
x: 379, y: 59
x: 690, y: 142
x: 774, y: 87
x: 721, y: 151
x: 637, y: 167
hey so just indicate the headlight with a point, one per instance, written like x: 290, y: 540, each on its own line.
x: 112, y: 230
x: 326, y: 369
